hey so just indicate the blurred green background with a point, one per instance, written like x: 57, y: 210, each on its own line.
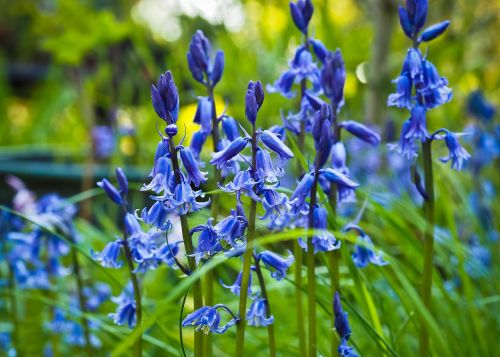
x: 67, y: 66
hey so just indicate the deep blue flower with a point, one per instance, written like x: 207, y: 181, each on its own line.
x: 339, y: 157
x: 457, y: 154
x: 235, y: 288
x: 253, y: 100
x: 275, y: 263
x: 364, y: 251
x: 284, y: 84
x: 402, y: 98
x: 405, y: 21
x: 345, y: 350
x: 122, y: 182
x: 207, y: 319
x: 165, y: 98
x: 274, y: 203
x: 418, y: 127
x: 322, y: 134
x: 322, y: 240
x: 412, y: 66
x: 406, y: 146
x: 301, y: 193
x: 157, y: 215
x: 344, y: 184
x: 217, y: 68
x: 197, y: 141
x: 333, y: 77
x: 222, y: 157
x: 198, y: 56
x: 230, y: 127
x: 293, y: 121
x: 109, y: 255
x: 302, y: 12
x: 435, y: 90
x: 341, y: 319
x: 111, y: 191
x: 208, y: 241
x: 232, y: 227
x: 243, y: 183
x: 361, y: 131
x: 126, y: 309
x: 431, y: 32
x: 184, y: 199
x: 479, y: 107
x: 319, y: 50
x: 273, y: 142
x: 194, y: 174
x: 203, y: 115
x: 264, y: 168
x: 257, y: 314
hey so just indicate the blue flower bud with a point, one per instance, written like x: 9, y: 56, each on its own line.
x: 253, y: 100
x: 203, y: 115
x: 405, y: 22
x: 333, y: 78
x: 360, y: 131
x: 111, y: 191
x: 274, y: 143
x: 322, y: 240
x: 132, y: 226
x: 171, y: 130
x: 301, y: 193
x: 344, y: 184
x: 230, y: 127
x: 341, y: 321
x: 165, y: 98
x: 221, y: 158
x: 197, y: 142
x: 276, y: 264
x: 314, y: 101
x: 420, y: 13
x: 431, y: 32
x: 196, y: 71
x: 218, y: 68
x: 122, y: 182
x: 319, y: 50
x: 301, y: 12
x: 193, y: 172
x: 256, y: 314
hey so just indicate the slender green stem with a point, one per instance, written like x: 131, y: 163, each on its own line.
x: 247, y: 261
x: 311, y: 272
x: 81, y: 301
x: 298, y: 253
x: 263, y: 290
x: 13, y: 307
x: 188, y: 246
x: 428, y: 244
x: 215, y: 207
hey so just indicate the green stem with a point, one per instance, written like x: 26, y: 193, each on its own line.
x: 270, y: 328
x: 247, y: 261
x: 81, y: 301
x: 311, y: 272
x: 13, y: 307
x: 428, y: 244
x: 188, y: 247
x: 215, y: 207
x: 298, y: 253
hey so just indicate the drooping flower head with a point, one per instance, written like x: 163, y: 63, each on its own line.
x: 257, y: 314
x: 207, y: 319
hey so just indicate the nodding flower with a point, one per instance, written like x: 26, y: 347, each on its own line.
x: 273, y: 142
x: 207, y: 319
x: 276, y: 263
x: 235, y: 288
x: 221, y: 158
x: 257, y: 314
x: 109, y: 255
x: 361, y: 131
x: 126, y: 309
x: 456, y: 153
x: 194, y: 174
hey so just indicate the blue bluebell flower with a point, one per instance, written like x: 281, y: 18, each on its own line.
x: 122, y: 182
x: 235, y: 288
x: 253, y: 100
x: 418, y: 127
x: 345, y: 186
x: 435, y: 90
x: 203, y: 115
x: 433, y: 31
x: 157, y: 215
x: 109, y: 255
x: 274, y: 203
x: 319, y: 49
x: 126, y: 309
x: 364, y: 251
x: 257, y: 314
x: 243, y: 183
x: 232, y: 228
x: 402, y: 98
x: 275, y: 263
x: 361, y: 131
x: 273, y: 142
x: 342, y: 327
x: 208, y: 241
x: 301, y: 193
x: 284, y: 84
x: 230, y: 127
x: 406, y: 146
x: 197, y: 141
x: 322, y: 240
x: 96, y: 295
x: 412, y: 66
x: 333, y: 77
x: 184, y: 198
x: 339, y: 157
x: 194, y: 174
x: 111, y: 191
x: 221, y: 158
x: 293, y: 121
x: 198, y: 56
x: 165, y: 98
x: 412, y: 18
x: 479, y: 107
x: 302, y: 12
x: 207, y: 319
x: 457, y: 154
x: 265, y: 170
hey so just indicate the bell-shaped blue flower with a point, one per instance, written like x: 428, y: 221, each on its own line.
x: 406, y: 146
x: 435, y: 90
x: 273, y: 142
x: 208, y: 241
x: 412, y: 66
x: 232, y: 227
x: 302, y: 12
x: 361, y: 132
x: 276, y: 263
x: 194, y: 174
x: 301, y: 193
x: 257, y: 314
x: 364, y: 251
x: 456, y: 153
x: 333, y: 78
x: 222, y: 157
x: 402, y: 98
x: 203, y: 115
x: 235, y: 288
x: 344, y: 184
x: 111, y: 191
x: 342, y: 327
x: 197, y: 141
x: 264, y: 168
x: 184, y: 199
x: 253, y: 100
x: 109, y: 255
x: 157, y: 215
x: 165, y: 98
x: 322, y: 240
x: 418, y: 126
x: 126, y: 309
x: 274, y: 203
x: 207, y: 319
x: 230, y: 127
x: 243, y: 183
